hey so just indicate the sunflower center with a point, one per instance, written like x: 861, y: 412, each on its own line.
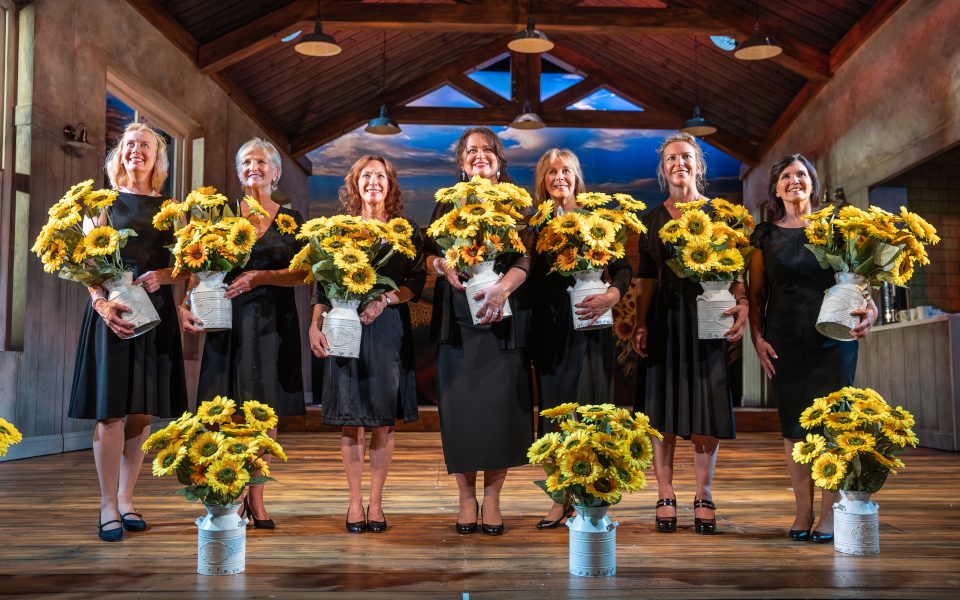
x: 603, y: 485
x: 581, y: 468
x: 169, y: 459
x: 699, y: 256
x: 208, y: 449
x: 226, y: 476
x: 830, y: 470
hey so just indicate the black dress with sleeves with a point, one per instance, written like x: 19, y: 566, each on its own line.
x: 112, y: 377
x: 686, y: 388
x: 380, y: 386
x: 810, y: 365
x: 483, y: 376
x: 259, y: 358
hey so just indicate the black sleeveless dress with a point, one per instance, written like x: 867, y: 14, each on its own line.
x: 260, y: 358
x: 686, y: 389
x: 112, y: 377
x: 810, y: 365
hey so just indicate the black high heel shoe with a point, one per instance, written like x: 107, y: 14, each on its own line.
x: 666, y: 524
x: 110, y: 535
x: 137, y: 524
x: 257, y: 523
x: 491, y: 529
x: 821, y: 538
x: 799, y: 535
x: 467, y: 528
x: 704, y: 526
x: 548, y: 524
x: 376, y: 526
x: 356, y: 526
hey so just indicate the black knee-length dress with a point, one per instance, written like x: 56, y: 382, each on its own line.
x: 260, y: 357
x: 686, y: 387
x: 380, y: 386
x: 810, y: 365
x: 113, y: 377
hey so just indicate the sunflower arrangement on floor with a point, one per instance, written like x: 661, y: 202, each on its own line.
x: 9, y: 435
x: 599, y: 454
x: 209, y: 237
x: 712, y: 243
x: 860, y: 440
x: 875, y: 244
x: 589, y: 237
x: 343, y: 254
x: 485, y: 222
x: 212, y: 455
x: 79, y: 242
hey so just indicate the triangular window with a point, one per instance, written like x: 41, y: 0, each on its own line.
x: 555, y: 77
x: 494, y: 75
x: 445, y: 97
x: 604, y: 99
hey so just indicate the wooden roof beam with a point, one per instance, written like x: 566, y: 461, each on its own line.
x: 797, y: 56
x: 654, y: 102
x: 475, y: 91
x: 574, y: 93
x: 596, y: 119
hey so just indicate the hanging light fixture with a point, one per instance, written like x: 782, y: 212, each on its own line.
x: 530, y: 40
x: 528, y: 119
x: 318, y: 43
x: 383, y: 125
x: 759, y: 46
x: 697, y: 125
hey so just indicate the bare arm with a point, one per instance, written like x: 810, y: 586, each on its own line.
x: 758, y: 294
x: 644, y: 297
x: 248, y: 280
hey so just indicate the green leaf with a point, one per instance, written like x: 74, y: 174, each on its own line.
x: 223, y: 264
x: 820, y: 253
x: 886, y: 253
x: 678, y: 268
x: 837, y: 263
x: 384, y: 280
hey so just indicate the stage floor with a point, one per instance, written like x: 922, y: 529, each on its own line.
x: 49, y: 547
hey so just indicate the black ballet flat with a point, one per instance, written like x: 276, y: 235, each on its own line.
x: 257, y: 523
x: 376, y: 526
x: 110, y: 535
x: 137, y: 524
x: 704, y: 526
x: 800, y: 535
x: 821, y: 538
x: 666, y: 524
x: 356, y: 527
x: 548, y: 524
x: 468, y: 528
x: 490, y: 529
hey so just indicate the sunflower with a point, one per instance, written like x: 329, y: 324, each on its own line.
x: 902, y: 270
x: 218, y: 410
x: 596, y: 411
x: 806, y: 450
x: 206, y: 447
x: 493, y: 242
x: 242, y: 237
x: 194, y: 255
x: 543, y: 448
x: 814, y: 414
x: 842, y: 421
x: 543, y: 214
x: 580, y: 466
x: 605, y: 444
x: 164, y: 218
x: 459, y: 226
x: 855, y: 442
x: 301, y: 260
x: 899, y: 418
x: 55, y: 255
x: 285, y: 223
x: 314, y: 228
x: 578, y: 438
x: 633, y: 222
x: 629, y: 203
x: 567, y: 223
x: 400, y: 228
x: 868, y: 410
x: 336, y: 243
x: 347, y: 222
x: 9, y: 434
x: 198, y: 476
x: 629, y: 477
x: 592, y: 199
x: 555, y: 481
x: 361, y: 280
x: 241, y: 447
x: 227, y: 476
x: 476, y: 213
x: 451, y: 257
x: 730, y: 261
x: 101, y: 241
x: 501, y: 219
x: 901, y: 437
x: 167, y: 461
x: 640, y: 448
x: 693, y: 205
x: 99, y: 199
x: 597, y: 257
x: 559, y: 411
x: 671, y: 232
x: 598, y: 232
x: 270, y: 446
x: 254, y: 206
x: 828, y: 471
x: 699, y: 257
x: 78, y: 191
x: 350, y: 259
x: 817, y: 232
x: 161, y: 439
x: 696, y: 226
x: 516, y: 242
x: 473, y: 254
x: 604, y: 488
x: 259, y: 416
x: 824, y: 213
x: 919, y: 227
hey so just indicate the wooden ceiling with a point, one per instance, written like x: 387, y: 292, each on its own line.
x: 642, y: 50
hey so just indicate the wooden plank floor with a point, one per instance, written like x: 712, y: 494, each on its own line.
x: 49, y: 548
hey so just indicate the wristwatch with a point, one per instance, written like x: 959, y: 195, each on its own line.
x: 386, y: 297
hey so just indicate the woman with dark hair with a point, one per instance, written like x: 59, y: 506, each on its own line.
x: 259, y: 357
x: 571, y: 365
x: 374, y: 390
x: 483, y: 377
x: 124, y: 382
x: 786, y: 289
x: 686, y: 385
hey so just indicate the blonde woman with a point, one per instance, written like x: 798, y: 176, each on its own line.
x: 121, y: 382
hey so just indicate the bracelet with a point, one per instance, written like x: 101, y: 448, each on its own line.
x: 437, y: 269
x: 386, y: 298
x: 93, y: 303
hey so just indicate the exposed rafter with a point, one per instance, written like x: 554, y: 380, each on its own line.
x: 475, y: 91
x: 575, y: 92
x: 599, y: 119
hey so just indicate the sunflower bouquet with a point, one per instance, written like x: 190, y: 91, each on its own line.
x: 861, y: 436
x: 599, y: 453
x: 214, y: 456
x: 88, y: 255
x: 8, y: 436
x: 209, y: 237
x: 877, y: 245
x: 591, y: 236
x: 711, y: 245
x: 485, y: 221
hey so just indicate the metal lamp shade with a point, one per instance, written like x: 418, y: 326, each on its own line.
x: 382, y: 125
x: 758, y: 47
x: 697, y: 125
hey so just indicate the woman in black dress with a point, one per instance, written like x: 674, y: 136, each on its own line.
x: 686, y: 390
x: 786, y: 289
x: 259, y: 358
x: 374, y: 390
x: 123, y: 383
x: 483, y: 377
x: 571, y: 366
